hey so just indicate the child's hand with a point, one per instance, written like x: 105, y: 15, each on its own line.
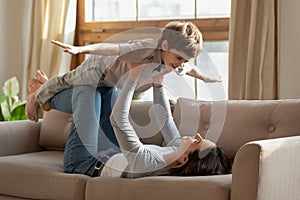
x: 66, y: 47
x: 212, y: 80
x: 194, y: 72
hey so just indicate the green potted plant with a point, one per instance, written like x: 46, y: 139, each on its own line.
x: 11, y: 107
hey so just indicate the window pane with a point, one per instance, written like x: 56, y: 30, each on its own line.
x: 110, y: 10
x: 175, y: 87
x: 213, y: 8
x: 213, y: 62
x: 166, y: 9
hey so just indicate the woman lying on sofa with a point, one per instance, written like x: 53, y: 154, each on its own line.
x: 187, y: 156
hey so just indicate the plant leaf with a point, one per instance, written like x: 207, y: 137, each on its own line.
x: 11, y: 87
x: 19, y: 113
x: 11, y: 108
x: 1, y: 116
x: 16, y: 104
x: 15, y: 98
x: 5, y: 110
x: 2, y: 96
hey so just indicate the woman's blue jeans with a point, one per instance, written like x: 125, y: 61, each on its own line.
x: 91, y: 135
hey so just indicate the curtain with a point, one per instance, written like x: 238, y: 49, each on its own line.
x: 50, y: 20
x: 253, y: 49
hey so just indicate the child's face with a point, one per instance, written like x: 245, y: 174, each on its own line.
x: 173, y: 58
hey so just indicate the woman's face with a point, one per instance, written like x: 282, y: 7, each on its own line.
x: 173, y: 58
x: 190, y: 144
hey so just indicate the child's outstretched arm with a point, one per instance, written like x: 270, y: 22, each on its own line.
x: 106, y: 49
x: 195, y: 72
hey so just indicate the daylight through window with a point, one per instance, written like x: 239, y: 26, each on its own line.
x: 102, y: 19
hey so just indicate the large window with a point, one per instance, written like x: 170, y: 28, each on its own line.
x: 131, y: 10
x: 99, y: 20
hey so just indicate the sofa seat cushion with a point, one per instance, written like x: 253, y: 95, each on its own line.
x: 39, y: 175
x: 160, y: 187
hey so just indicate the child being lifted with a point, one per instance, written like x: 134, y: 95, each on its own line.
x: 179, y: 42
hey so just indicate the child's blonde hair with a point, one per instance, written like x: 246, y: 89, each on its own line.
x: 184, y: 37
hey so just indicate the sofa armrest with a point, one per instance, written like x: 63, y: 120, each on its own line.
x: 18, y: 137
x: 267, y: 169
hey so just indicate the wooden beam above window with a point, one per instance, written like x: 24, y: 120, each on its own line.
x: 212, y: 29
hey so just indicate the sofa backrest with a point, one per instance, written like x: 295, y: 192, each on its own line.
x: 56, y: 125
x: 143, y: 121
x: 55, y: 130
x: 233, y: 123
x: 230, y: 124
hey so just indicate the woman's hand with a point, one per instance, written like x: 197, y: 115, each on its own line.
x: 135, y: 69
x: 159, y: 79
x: 73, y: 50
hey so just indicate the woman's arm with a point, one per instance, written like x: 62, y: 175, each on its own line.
x: 141, y: 159
x: 163, y: 113
x: 164, y: 117
x: 126, y: 135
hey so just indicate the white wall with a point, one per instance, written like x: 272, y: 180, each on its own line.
x: 13, y: 26
x: 289, y: 49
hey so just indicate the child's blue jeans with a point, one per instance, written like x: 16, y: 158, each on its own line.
x: 91, y: 134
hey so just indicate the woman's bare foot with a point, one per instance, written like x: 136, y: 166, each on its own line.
x: 31, y: 108
x: 41, y: 76
x: 34, y: 84
x: 31, y: 103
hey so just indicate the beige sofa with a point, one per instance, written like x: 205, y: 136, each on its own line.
x: 265, y: 168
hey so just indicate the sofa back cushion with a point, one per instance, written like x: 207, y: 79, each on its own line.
x: 143, y: 121
x: 55, y: 130
x: 233, y: 123
x: 56, y: 125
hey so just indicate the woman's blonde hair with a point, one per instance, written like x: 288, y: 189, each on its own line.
x: 184, y: 37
